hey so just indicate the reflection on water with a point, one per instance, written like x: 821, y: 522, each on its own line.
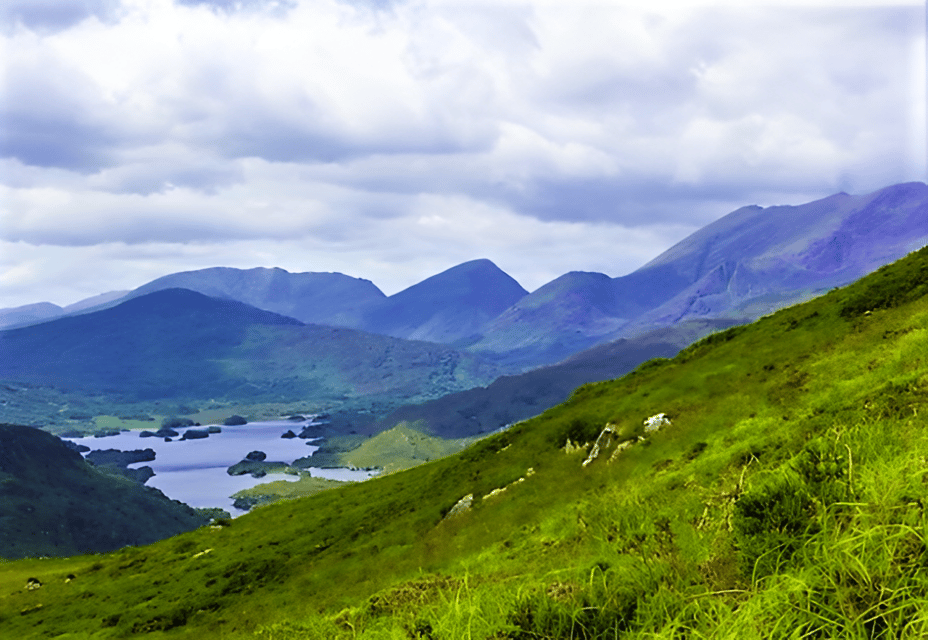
x: 194, y: 471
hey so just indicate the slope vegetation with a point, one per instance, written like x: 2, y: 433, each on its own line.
x: 177, y: 344
x: 744, y: 265
x: 54, y: 503
x: 785, y: 499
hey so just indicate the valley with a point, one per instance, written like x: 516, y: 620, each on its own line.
x: 782, y: 495
x: 518, y: 489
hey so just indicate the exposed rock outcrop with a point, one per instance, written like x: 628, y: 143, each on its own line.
x: 609, y: 435
x: 656, y: 423
x: 461, y: 506
x: 606, y: 437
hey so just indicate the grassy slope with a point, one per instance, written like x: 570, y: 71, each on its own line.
x: 179, y: 346
x: 400, y: 448
x: 785, y: 500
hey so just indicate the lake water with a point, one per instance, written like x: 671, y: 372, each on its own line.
x: 194, y: 471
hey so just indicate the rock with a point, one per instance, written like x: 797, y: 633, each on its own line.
x: 622, y: 446
x: 214, y: 429
x: 169, y: 439
x: 256, y: 456
x: 572, y: 447
x: 461, y: 506
x: 148, y: 434
x: 604, y: 440
x: 32, y: 584
x: 106, y: 433
x: 233, y: 421
x: 656, y: 422
x: 289, y: 434
x: 166, y: 432
x: 195, y: 434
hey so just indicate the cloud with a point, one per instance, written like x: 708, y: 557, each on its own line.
x: 53, y: 15
x: 348, y: 125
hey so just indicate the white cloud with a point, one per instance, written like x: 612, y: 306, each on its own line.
x: 397, y: 138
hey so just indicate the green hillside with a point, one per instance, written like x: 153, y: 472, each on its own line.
x: 54, y: 502
x: 786, y: 499
x: 179, y: 347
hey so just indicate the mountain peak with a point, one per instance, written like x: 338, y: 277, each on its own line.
x: 452, y: 305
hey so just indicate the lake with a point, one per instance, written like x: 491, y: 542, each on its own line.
x: 194, y: 471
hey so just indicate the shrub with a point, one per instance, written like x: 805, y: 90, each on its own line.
x: 771, y: 522
x: 174, y: 422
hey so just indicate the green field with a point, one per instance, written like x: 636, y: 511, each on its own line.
x: 786, y: 500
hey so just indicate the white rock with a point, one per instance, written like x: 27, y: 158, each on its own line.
x: 656, y: 422
x: 603, y: 441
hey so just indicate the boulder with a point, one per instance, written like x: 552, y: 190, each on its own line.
x: 289, y: 434
x: 461, y: 506
x: 214, y: 429
x: 195, y: 434
x: 656, y: 423
x: 602, y: 442
x: 256, y: 456
x: 233, y: 421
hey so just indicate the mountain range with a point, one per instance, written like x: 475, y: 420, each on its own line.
x: 742, y: 266
x: 336, y: 341
x: 177, y: 344
x: 768, y: 481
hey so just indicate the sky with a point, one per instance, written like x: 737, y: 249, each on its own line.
x: 393, y: 139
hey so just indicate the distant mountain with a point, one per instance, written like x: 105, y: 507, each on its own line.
x: 95, y: 301
x: 53, y: 503
x: 42, y: 311
x: 565, y: 316
x: 756, y: 260
x: 510, y: 399
x: 320, y: 298
x: 29, y: 314
x: 177, y: 343
x: 744, y: 265
x: 452, y: 306
x: 747, y: 264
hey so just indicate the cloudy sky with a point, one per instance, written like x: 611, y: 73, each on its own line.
x: 392, y: 139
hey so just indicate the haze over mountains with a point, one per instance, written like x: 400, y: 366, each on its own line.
x: 744, y: 265
x: 248, y: 338
x: 177, y: 343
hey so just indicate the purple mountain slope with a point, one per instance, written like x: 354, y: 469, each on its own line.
x: 559, y: 319
x: 742, y: 266
x: 320, y: 298
x: 449, y: 307
x: 29, y: 314
x: 756, y: 260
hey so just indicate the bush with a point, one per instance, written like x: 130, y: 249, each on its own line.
x: 771, y: 522
x: 174, y: 423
